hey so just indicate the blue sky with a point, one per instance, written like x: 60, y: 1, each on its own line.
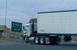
x: 23, y: 10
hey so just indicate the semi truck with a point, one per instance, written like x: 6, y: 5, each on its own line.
x: 53, y: 25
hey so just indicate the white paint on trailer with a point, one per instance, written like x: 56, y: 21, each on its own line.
x: 62, y: 22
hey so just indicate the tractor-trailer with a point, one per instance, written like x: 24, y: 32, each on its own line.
x: 52, y: 25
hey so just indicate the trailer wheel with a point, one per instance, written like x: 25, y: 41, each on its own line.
x: 67, y: 38
x: 58, y: 40
x: 54, y: 40
x: 51, y: 40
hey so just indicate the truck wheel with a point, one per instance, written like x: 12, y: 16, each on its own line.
x: 42, y: 41
x: 58, y: 40
x: 37, y: 40
x: 47, y: 40
x: 26, y: 39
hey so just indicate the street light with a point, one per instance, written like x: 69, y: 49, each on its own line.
x: 5, y: 12
x: 5, y: 27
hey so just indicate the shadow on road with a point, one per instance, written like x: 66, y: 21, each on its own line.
x: 58, y: 45
x: 67, y: 45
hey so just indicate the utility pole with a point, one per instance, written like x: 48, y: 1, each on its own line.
x: 5, y: 25
x: 5, y: 11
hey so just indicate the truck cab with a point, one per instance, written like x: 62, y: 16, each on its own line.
x: 30, y: 29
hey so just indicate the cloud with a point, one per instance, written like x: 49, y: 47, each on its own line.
x: 23, y: 10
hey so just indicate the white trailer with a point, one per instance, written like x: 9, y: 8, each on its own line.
x: 54, y: 24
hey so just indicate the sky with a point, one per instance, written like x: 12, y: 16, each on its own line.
x: 23, y: 10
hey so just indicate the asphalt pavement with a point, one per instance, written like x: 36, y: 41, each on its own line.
x: 18, y: 44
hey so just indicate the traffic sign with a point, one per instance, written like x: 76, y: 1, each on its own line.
x: 16, y: 27
x: 4, y: 27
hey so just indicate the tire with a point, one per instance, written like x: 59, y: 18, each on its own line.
x: 42, y: 41
x: 67, y: 38
x: 51, y: 41
x: 37, y: 40
x: 55, y: 40
x: 26, y: 39
x: 58, y: 40
x: 47, y: 40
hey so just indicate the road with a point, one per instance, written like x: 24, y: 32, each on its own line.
x: 20, y: 45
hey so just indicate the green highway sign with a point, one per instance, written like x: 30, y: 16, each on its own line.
x: 16, y: 27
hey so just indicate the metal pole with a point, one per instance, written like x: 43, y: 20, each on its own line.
x: 5, y: 19
x: 5, y: 12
